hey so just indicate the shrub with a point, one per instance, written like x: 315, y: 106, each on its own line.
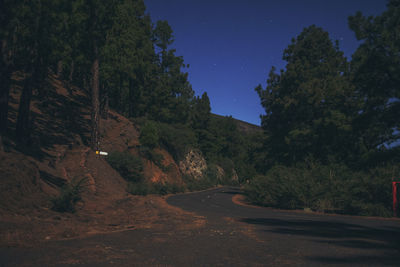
x: 166, y: 188
x: 157, y: 188
x: 160, y: 189
x: 326, y: 188
x: 149, y: 135
x: 211, y: 174
x: 177, y: 139
x: 228, y: 166
x: 205, y: 182
x: 176, y: 188
x: 129, y: 166
x: 141, y: 188
x: 153, y: 156
x: 70, y: 194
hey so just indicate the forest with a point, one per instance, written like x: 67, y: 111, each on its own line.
x: 331, y: 125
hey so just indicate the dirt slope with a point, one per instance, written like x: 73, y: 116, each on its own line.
x: 59, y: 153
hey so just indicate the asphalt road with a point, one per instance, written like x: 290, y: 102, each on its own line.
x: 233, y: 235
x: 287, y: 237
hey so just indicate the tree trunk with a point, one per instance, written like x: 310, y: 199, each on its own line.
x: 5, y: 75
x: 4, y: 96
x: 121, y: 95
x: 59, y: 68
x: 105, y: 105
x: 95, y: 101
x: 1, y: 144
x: 130, y: 92
x: 23, y: 130
x: 36, y: 75
x: 71, y: 73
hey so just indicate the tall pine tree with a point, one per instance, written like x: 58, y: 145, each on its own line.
x: 376, y: 74
x: 309, y: 105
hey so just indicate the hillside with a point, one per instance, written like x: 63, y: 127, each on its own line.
x: 59, y: 155
x: 242, y: 126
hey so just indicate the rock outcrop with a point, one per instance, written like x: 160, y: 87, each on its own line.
x: 221, y: 174
x: 193, y: 164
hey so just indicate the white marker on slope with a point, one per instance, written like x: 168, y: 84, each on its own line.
x: 101, y: 153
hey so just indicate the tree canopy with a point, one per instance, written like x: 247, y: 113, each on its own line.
x: 309, y: 105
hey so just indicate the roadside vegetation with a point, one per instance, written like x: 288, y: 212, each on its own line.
x: 331, y: 125
x: 69, y: 195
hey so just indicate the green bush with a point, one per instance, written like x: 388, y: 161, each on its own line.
x: 144, y: 188
x: 175, y: 188
x: 227, y: 165
x: 129, y: 166
x: 177, y: 139
x: 160, y: 189
x: 211, y: 174
x: 203, y: 183
x: 149, y: 135
x: 140, y: 188
x: 153, y: 156
x: 211, y: 178
x: 169, y: 168
x: 166, y: 188
x: 325, y: 188
x: 372, y: 191
x: 70, y: 194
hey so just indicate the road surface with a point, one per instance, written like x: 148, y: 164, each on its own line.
x: 233, y: 235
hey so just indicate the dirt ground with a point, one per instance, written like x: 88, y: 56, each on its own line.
x: 59, y: 153
x: 130, y: 212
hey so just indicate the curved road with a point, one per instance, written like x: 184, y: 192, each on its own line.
x: 233, y: 235
x: 287, y: 237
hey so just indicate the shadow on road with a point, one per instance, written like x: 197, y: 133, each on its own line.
x: 232, y: 192
x: 384, y: 240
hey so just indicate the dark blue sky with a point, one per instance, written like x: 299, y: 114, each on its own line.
x: 232, y: 44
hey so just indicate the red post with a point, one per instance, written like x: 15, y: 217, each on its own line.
x: 394, y: 188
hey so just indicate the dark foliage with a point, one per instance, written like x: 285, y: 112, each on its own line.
x: 338, y: 114
x: 149, y: 135
x: 129, y: 166
x: 70, y: 194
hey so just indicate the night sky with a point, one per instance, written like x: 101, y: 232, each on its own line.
x: 232, y: 44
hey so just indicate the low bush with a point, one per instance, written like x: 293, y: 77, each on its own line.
x: 176, y: 188
x: 129, y: 166
x: 153, y: 156
x: 160, y: 189
x: 203, y: 183
x: 144, y: 188
x: 140, y: 188
x: 70, y: 194
x: 149, y: 135
x: 177, y: 139
x: 326, y: 188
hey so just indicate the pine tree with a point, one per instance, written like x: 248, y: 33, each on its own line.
x: 7, y: 12
x: 200, y: 117
x: 98, y: 23
x: 31, y: 55
x: 170, y: 99
x: 376, y: 70
x: 309, y: 105
x: 129, y: 58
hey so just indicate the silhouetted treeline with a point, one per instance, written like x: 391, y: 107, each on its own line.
x: 331, y: 125
x: 110, y: 48
x: 113, y: 51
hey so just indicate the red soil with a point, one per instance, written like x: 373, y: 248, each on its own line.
x: 59, y: 153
